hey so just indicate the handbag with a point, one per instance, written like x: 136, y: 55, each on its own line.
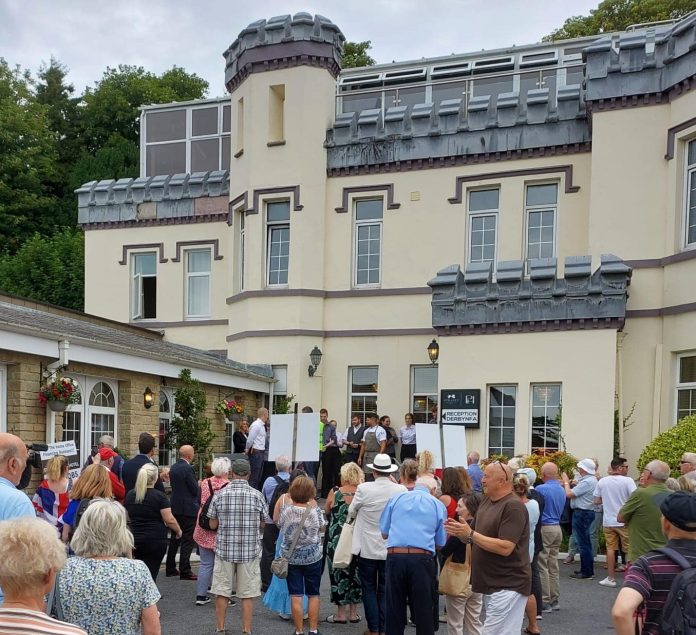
x: 455, y: 577
x: 343, y: 555
x: 54, y: 607
x: 279, y: 566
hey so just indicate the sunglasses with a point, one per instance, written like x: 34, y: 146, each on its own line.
x: 501, y: 467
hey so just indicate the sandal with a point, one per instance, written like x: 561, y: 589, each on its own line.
x: 526, y: 630
x: 332, y: 620
x: 356, y: 620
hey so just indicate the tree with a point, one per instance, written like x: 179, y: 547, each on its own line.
x: 616, y: 15
x: 27, y: 161
x: 190, y: 426
x: 355, y: 54
x: 47, y: 269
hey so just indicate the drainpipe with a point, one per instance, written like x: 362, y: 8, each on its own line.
x: 619, y: 383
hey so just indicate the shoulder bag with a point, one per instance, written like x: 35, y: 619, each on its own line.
x: 455, y: 577
x: 203, y: 520
x: 279, y: 566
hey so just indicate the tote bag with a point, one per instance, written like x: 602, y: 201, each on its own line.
x: 455, y: 578
x: 344, y: 547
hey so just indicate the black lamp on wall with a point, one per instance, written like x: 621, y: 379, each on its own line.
x: 433, y: 352
x: 148, y: 398
x: 315, y: 358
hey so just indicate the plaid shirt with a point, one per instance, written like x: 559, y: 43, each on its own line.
x: 239, y: 508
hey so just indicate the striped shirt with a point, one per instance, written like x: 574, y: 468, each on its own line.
x: 26, y: 622
x: 652, y: 576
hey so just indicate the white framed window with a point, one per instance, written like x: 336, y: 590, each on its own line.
x: 364, y: 388
x: 545, y: 416
x: 3, y: 398
x: 186, y: 139
x: 483, y: 224
x: 280, y: 389
x: 423, y: 392
x: 686, y: 386
x: 278, y: 243
x: 541, y: 206
x: 144, y: 285
x: 241, y: 241
x: 96, y: 405
x: 502, y: 407
x: 690, y: 198
x: 368, y: 242
x: 197, y: 300
x: 167, y: 453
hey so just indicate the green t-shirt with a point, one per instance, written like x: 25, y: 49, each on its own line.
x: 642, y: 515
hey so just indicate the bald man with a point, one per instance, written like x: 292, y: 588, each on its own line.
x: 185, y: 497
x: 500, y: 568
x: 13, y: 460
x: 256, y: 447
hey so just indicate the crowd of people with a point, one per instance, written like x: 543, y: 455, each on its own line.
x: 474, y: 546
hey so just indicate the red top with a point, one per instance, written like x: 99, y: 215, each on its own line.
x: 452, y: 508
x: 117, y: 487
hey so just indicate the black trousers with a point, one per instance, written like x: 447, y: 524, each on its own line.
x: 408, y: 451
x: 330, y: 470
x: 187, y: 524
x: 151, y: 552
x: 268, y: 545
x: 411, y: 580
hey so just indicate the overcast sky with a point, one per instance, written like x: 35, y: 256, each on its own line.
x: 89, y: 35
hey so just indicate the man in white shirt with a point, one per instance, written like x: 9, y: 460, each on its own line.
x: 612, y: 492
x: 256, y: 447
x: 367, y: 507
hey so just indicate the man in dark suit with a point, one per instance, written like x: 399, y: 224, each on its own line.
x: 130, y: 469
x: 185, y: 502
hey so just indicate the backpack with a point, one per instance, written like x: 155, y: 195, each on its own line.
x: 81, y: 509
x: 679, y: 612
x: 281, y: 488
x: 203, y: 520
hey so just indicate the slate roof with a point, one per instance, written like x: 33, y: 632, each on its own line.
x: 132, y: 340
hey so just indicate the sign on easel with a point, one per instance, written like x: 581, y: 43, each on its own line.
x: 295, y: 436
x: 67, y: 449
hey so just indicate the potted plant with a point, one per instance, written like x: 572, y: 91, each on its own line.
x: 233, y: 410
x: 58, y: 393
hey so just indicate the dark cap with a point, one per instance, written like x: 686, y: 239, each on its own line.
x: 679, y: 508
x: 241, y: 467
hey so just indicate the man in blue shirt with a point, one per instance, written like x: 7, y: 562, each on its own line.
x: 474, y: 470
x: 13, y: 460
x: 551, y: 535
x: 582, y: 501
x: 413, y: 524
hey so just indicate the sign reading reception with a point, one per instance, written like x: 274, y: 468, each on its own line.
x: 461, y: 407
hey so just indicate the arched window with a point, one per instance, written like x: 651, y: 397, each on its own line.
x: 166, y: 408
x: 102, y: 411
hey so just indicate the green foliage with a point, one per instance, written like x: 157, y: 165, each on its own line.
x: 565, y: 462
x: 355, y: 55
x: 671, y: 444
x: 616, y: 15
x: 282, y: 404
x: 190, y: 426
x: 48, y: 269
x: 27, y: 160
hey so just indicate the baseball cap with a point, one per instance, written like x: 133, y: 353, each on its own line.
x: 106, y: 453
x: 529, y: 472
x: 679, y: 508
x: 241, y: 467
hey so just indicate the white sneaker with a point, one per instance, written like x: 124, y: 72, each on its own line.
x: 608, y: 582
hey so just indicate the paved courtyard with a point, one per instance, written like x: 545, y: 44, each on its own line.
x: 585, y: 607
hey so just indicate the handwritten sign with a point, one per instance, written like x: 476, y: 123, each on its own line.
x: 67, y: 449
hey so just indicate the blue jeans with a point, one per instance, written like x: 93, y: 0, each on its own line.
x: 205, y: 572
x: 582, y: 521
x: 256, y: 460
x: 374, y: 599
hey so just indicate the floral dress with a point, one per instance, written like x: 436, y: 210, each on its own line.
x: 345, y: 583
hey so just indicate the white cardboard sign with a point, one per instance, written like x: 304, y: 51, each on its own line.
x: 280, y: 443
x: 428, y: 438
x: 307, y: 444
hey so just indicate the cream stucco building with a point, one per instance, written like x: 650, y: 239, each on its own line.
x: 500, y: 202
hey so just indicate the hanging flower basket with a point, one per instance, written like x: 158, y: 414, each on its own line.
x: 58, y: 393
x: 232, y: 410
x: 56, y: 406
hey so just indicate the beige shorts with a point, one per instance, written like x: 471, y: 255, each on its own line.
x: 615, y: 536
x: 243, y: 576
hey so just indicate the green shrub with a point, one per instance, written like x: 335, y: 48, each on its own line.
x: 671, y: 444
